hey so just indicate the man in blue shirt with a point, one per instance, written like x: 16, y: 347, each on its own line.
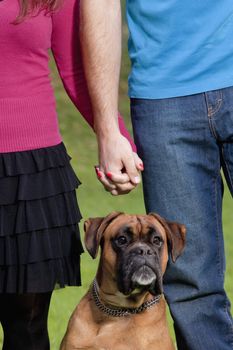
x: 181, y: 90
x: 179, y: 48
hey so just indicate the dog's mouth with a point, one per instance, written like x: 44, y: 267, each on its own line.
x: 143, y: 277
x: 140, y: 278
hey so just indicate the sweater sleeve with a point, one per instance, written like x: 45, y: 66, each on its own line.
x: 66, y: 50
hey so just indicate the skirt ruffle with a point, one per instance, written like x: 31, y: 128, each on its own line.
x: 40, y: 242
x: 44, y: 184
x: 29, y: 162
x: 44, y: 276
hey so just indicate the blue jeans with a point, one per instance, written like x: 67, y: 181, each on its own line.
x: 184, y: 142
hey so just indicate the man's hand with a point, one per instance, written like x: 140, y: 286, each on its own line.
x: 119, y: 168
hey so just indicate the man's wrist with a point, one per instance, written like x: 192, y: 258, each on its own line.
x: 106, y: 126
x: 110, y: 135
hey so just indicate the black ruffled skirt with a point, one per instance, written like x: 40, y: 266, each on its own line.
x: 40, y: 243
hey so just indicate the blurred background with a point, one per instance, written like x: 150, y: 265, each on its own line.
x: 94, y: 201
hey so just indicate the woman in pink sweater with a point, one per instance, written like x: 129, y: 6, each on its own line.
x: 39, y: 237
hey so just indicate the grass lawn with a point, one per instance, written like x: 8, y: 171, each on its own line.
x: 94, y: 201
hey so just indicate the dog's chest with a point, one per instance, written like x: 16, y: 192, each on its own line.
x: 126, y: 335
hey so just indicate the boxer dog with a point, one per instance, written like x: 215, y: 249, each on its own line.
x: 124, y: 308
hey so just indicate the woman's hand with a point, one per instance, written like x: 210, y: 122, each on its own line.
x: 119, y: 167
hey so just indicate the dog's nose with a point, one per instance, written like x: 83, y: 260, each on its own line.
x: 143, y: 250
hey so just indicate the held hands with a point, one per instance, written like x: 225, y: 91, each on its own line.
x: 119, y: 167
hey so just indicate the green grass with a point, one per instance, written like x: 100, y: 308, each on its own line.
x: 94, y: 201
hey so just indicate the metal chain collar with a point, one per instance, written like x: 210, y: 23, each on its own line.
x: 123, y: 311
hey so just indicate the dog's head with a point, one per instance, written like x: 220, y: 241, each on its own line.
x: 135, y: 249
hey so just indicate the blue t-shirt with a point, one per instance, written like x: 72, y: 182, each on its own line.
x: 179, y: 47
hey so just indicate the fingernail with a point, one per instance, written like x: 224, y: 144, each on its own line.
x: 109, y: 175
x: 137, y: 179
x: 141, y: 166
x: 98, y: 173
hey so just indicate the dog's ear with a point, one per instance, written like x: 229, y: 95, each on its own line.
x: 94, y: 229
x: 176, y: 235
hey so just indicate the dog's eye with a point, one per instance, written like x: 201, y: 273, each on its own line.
x: 157, y: 241
x: 121, y: 240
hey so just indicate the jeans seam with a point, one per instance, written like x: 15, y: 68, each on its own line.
x: 217, y: 226
x: 211, y: 111
x: 212, y: 129
x: 230, y: 321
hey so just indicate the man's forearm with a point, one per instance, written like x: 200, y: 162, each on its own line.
x: 100, y: 33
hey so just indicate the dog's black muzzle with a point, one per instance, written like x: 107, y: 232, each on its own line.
x: 139, y: 269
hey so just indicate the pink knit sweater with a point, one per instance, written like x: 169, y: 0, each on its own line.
x: 28, y: 118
